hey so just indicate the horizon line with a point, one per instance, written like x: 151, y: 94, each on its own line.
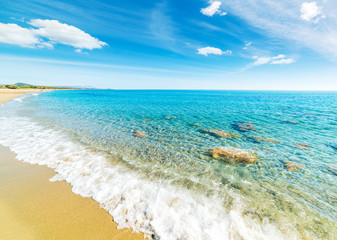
x: 172, y: 89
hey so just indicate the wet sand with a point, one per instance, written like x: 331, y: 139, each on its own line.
x: 32, y: 207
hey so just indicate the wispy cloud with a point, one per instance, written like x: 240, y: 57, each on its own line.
x: 213, y: 8
x: 283, y: 61
x: 165, y: 33
x: 46, y: 34
x: 207, y: 26
x: 115, y: 67
x: 247, y: 45
x: 282, y: 19
x: 22, y: 19
x: 212, y: 50
x: 279, y: 59
x: 161, y: 23
x: 261, y: 61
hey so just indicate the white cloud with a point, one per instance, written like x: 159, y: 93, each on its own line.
x: 311, y: 12
x: 283, y: 61
x: 212, y: 9
x: 79, y: 51
x: 14, y: 34
x: 247, y: 44
x: 211, y: 50
x: 261, y: 60
x: 279, y: 56
x: 46, y: 34
x: 65, y: 34
x: 279, y: 59
x: 46, y: 45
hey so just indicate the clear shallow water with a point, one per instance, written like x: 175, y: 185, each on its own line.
x: 167, y: 185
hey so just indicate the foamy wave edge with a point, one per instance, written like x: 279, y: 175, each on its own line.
x: 155, y: 208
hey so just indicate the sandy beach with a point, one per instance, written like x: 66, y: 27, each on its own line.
x: 9, y: 94
x: 32, y: 207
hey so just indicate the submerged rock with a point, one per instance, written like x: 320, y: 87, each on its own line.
x: 292, y: 166
x: 169, y: 117
x: 290, y: 122
x: 195, y: 124
x: 147, y: 120
x: 333, y: 170
x: 257, y: 139
x: 140, y: 134
x: 272, y: 140
x: 243, y: 126
x: 302, y: 146
x: 264, y: 149
x: 233, y: 155
x: 334, y: 147
x: 220, y: 133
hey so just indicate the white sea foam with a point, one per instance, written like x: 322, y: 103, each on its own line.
x: 155, y: 208
x: 22, y: 98
x: 18, y: 100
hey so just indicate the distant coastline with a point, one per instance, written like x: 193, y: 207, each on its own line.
x: 25, y: 86
x: 11, y: 91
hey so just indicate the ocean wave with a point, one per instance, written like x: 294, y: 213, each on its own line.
x: 22, y: 98
x: 156, y: 208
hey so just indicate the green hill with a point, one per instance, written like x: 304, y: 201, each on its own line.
x: 23, y: 85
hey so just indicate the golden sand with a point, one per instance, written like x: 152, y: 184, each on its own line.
x: 32, y: 207
x: 9, y: 94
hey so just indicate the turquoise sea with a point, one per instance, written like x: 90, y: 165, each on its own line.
x: 166, y: 183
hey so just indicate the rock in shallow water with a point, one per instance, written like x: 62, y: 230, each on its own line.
x: 333, y: 170
x: 264, y: 149
x: 302, y: 146
x: 257, y: 139
x: 140, y: 134
x: 243, y: 126
x: 291, y: 166
x: 220, y: 133
x: 294, y: 122
x: 233, y: 155
x: 194, y: 125
x: 334, y: 147
x: 170, y: 117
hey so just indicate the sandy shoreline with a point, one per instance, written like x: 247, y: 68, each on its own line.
x: 9, y: 94
x: 32, y: 207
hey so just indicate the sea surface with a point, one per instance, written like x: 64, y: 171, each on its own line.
x: 167, y: 184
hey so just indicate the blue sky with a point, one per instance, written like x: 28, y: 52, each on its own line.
x: 170, y: 44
